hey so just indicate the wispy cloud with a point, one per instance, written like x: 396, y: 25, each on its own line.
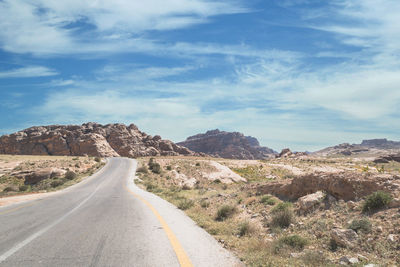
x: 29, y: 71
x: 47, y: 27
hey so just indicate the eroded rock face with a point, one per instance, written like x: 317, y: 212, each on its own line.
x: 232, y: 145
x: 90, y: 139
x: 344, y: 185
x: 372, y: 147
x: 388, y: 158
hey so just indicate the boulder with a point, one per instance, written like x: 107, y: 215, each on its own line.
x: 39, y: 175
x: 308, y: 202
x: 285, y: 153
x: 344, y: 237
x: 348, y: 260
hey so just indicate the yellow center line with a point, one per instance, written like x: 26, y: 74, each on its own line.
x: 17, y: 208
x: 183, y: 259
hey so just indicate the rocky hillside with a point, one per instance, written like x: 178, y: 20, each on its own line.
x: 231, y: 145
x: 372, y: 147
x: 90, y: 139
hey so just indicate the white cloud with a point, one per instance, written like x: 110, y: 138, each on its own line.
x: 48, y: 27
x: 26, y: 72
x: 135, y: 73
x: 275, y: 95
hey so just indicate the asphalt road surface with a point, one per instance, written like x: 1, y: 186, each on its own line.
x: 105, y: 221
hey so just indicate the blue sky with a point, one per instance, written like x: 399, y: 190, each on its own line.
x: 302, y: 74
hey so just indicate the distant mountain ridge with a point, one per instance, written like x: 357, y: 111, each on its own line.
x: 233, y: 145
x: 90, y: 139
x: 380, y: 143
x: 374, y: 147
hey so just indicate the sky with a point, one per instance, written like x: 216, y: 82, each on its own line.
x: 302, y: 74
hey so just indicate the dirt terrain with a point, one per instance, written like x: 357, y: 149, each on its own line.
x: 29, y: 177
x: 301, y: 211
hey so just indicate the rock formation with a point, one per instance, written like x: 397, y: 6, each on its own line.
x: 90, y: 139
x: 388, y: 158
x: 372, y: 147
x: 380, y: 143
x: 232, y: 145
x: 344, y: 185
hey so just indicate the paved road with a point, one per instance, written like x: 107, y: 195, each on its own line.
x: 105, y: 221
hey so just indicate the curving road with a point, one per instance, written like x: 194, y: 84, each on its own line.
x: 105, y: 221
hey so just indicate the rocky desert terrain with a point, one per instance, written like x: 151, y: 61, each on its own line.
x: 25, y: 175
x: 295, y: 210
x: 336, y: 206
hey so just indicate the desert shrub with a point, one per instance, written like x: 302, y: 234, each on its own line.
x: 154, y: 167
x: 185, y: 204
x: 282, y: 215
x: 56, y: 183
x: 97, y: 159
x: 77, y: 165
x: 204, y: 203
x: 294, y: 241
x: 282, y: 207
x: 282, y: 218
x: 23, y: 187
x: 244, y: 228
x: 10, y: 189
x: 169, y: 168
x: 361, y: 225
x: 381, y: 169
x: 376, y: 201
x: 225, y: 212
x: 198, y: 164
x: 267, y: 200
x: 333, y: 245
x: 70, y: 175
x: 150, y: 187
x: 217, y: 181
x: 271, y: 202
x: 142, y: 169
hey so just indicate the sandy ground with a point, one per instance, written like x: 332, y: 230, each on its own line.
x: 5, y: 201
x: 294, y: 170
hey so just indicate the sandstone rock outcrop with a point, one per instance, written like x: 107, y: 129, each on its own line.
x: 344, y: 185
x: 232, y: 145
x: 388, y: 158
x: 90, y: 139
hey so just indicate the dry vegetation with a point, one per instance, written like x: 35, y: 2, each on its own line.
x: 264, y: 230
x: 33, y: 174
